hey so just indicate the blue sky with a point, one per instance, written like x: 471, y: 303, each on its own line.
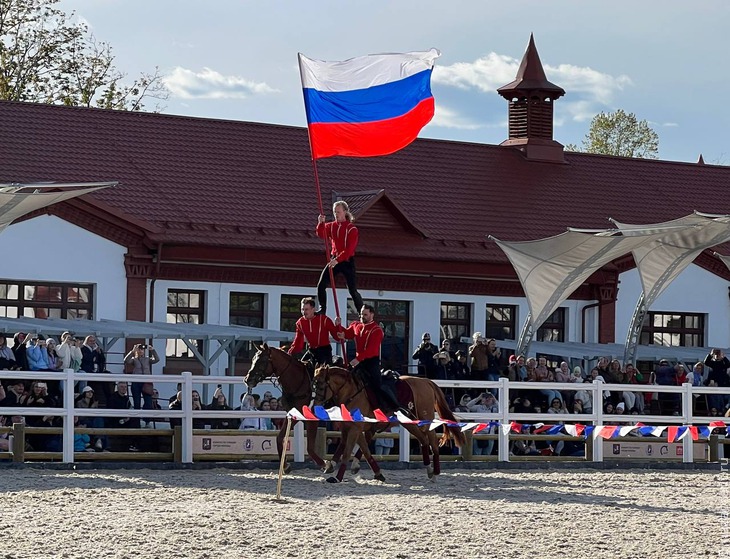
x: 664, y: 60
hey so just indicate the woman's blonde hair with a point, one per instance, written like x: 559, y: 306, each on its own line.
x: 348, y: 216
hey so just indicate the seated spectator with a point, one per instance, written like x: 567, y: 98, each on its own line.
x: 463, y: 404
x: 608, y: 409
x: 383, y: 445
x: 557, y: 406
x: 585, y: 396
x: 717, y: 376
x: 87, y: 400
x: 516, y: 371
x: 577, y: 375
x: 19, y: 351
x: 219, y: 403
x: 250, y: 423
x: 14, y: 394
x: 265, y: 422
x: 543, y: 374
x: 37, y: 354
x: 7, y: 357
x: 82, y: 442
x: 279, y: 422
x: 38, y: 397
x: 633, y: 400
x: 119, y: 400
x: 484, y: 403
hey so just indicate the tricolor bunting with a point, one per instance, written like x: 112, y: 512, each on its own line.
x: 367, y: 106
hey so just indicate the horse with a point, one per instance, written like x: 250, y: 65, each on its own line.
x: 296, y: 386
x: 335, y: 386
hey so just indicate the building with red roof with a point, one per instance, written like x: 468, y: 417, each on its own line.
x: 213, y: 221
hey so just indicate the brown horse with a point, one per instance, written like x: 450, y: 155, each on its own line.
x: 335, y: 386
x: 296, y: 387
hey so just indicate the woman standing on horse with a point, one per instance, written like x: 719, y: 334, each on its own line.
x: 344, y: 237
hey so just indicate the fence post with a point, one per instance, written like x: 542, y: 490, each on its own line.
x: 18, y: 442
x: 298, y: 442
x: 502, y: 437
x: 597, y: 396
x: 187, y: 422
x: 687, y: 442
x: 177, y: 444
x: 320, y: 443
x: 68, y: 420
x: 404, y: 444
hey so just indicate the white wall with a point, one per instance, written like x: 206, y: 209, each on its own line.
x: 694, y: 291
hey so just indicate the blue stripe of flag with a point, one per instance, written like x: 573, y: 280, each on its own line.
x: 380, y: 102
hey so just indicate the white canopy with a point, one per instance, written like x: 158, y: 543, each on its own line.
x: 16, y: 200
x: 551, y: 269
x: 661, y: 260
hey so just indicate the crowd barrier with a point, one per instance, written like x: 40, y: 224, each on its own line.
x: 182, y: 448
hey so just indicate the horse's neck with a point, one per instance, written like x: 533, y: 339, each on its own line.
x: 291, y: 372
x: 352, y: 391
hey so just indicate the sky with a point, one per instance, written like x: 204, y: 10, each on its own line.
x: 666, y: 61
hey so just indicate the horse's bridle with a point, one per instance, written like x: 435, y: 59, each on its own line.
x: 261, y: 373
x: 321, y: 384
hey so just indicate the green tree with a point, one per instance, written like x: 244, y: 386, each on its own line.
x: 46, y: 57
x: 622, y: 134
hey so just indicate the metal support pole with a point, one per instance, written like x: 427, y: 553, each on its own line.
x: 187, y: 422
x: 597, y: 388
x: 502, y: 437
x: 68, y: 420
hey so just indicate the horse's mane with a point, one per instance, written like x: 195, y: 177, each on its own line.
x: 340, y: 371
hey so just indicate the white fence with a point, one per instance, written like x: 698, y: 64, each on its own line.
x: 68, y: 412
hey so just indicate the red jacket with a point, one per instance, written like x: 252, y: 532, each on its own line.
x: 368, y: 338
x: 316, y: 331
x: 344, y: 237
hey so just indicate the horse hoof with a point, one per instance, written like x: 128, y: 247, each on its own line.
x: 329, y: 467
x: 430, y: 473
x: 332, y: 479
x: 379, y: 477
x: 287, y: 468
x: 355, y: 468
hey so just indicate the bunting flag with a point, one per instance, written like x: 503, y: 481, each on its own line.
x: 675, y: 433
x: 367, y: 106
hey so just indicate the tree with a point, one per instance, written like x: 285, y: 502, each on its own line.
x: 622, y: 134
x: 47, y: 58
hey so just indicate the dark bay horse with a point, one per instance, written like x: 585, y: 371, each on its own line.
x: 335, y: 386
x: 296, y: 387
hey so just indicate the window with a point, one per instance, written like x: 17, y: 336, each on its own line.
x: 455, y: 324
x: 553, y: 329
x: 673, y: 329
x: 501, y: 321
x: 46, y: 300
x: 291, y: 306
x: 394, y: 318
x: 184, y: 307
x: 246, y: 309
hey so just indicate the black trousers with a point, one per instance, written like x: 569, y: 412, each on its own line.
x: 370, y: 371
x: 347, y: 269
x: 322, y: 355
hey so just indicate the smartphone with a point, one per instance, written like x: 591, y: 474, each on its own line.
x: 220, y: 386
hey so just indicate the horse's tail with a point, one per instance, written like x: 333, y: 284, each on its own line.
x: 442, y: 407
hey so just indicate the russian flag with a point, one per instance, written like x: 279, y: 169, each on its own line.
x: 369, y: 105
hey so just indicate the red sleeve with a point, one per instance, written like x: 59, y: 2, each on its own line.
x: 298, y: 343
x: 331, y: 328
x: 350, y: 330
x: 322, y: 230
x: 351, y: 238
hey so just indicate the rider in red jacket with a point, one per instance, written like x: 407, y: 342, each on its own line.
x: 368, y: 336
x: 344, y: 236
x: 315, y: 330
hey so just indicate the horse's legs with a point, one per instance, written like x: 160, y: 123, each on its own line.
x: 436, y: 455
x: 364, y: 441
x: 350, y: 433
x: 423, y: 440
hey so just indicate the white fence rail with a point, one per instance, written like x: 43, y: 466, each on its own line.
x: 597, y: 417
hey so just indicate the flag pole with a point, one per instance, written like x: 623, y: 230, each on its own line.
x: 327, y: 239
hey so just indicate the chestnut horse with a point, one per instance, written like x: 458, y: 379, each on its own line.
x: 335, y: 386
x: 296, y: 387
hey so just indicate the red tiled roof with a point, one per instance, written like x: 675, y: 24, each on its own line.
x: 242, y: 184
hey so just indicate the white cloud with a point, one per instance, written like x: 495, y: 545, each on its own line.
x: 671, y: 124
x: 486, y: 73
x: 210, y: 84
x: 591, y: 90
x: 448, y: 118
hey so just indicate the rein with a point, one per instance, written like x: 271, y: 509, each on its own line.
x: 335, y: 393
